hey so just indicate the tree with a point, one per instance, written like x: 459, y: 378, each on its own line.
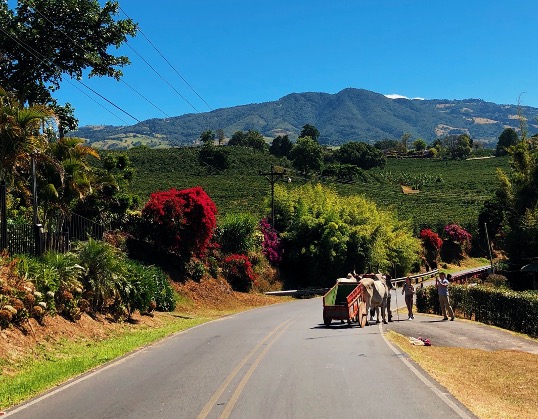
x: 20, y: 139
x: 404, y: 142
x: 63, y: 192
x: 207, y: 137
x: 306, y: 155
x: 255, y: 140
x: 281, y: 146
x: 327, y: 235
x: 43, y: 40
x: 386, y: 145
x: 238, y: 139
x: 220, y: 135
x: 507, y: 139
x: 419, y: 144
x: 309, y: 131
x: 360, y: 154
x: 251, y: 138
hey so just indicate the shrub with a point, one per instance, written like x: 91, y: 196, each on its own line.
x: 237, y: 270
x: 236, y: 233
x: 456, y: 244
x: 498, y: 281
x: 327, y: 236
x: 432, y: 244
x: 104, y: 279
x: 272, y: 245
x: 151, y: 289
x: 180, y: 221
x: 512, y: 310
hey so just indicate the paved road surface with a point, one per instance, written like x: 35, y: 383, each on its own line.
x: 274, y: 362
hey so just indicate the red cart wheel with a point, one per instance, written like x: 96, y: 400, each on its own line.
x: 327, y: 321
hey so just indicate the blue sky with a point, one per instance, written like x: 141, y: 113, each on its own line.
x: 239, y: 52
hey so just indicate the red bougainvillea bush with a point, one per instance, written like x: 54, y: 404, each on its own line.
x: 180, y: 221
x: 431, y: 239
x: 432, y: 244
x: 271, y: 244
x: 237, y: 270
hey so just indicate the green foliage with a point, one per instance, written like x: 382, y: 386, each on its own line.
x: 105, y: 276
x: 451, y: 191
x: 516, y: 311
x: 251, y: 138
x: 514, y: 208
x: 281, y: 146
x: 236, y: 233
x: 47, y: 24
x: 309, y: 131
x: 507, y: 139
x: 360, y: 154
x: 152, y: 289
x: 419, y: 144
x: 326, y: 235
x: 306, y: 155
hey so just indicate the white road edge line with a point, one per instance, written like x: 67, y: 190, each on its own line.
x: 460, y: 412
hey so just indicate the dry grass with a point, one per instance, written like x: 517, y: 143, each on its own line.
x: 491, y: 384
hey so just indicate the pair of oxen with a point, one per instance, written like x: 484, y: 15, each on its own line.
x: 374, y: 292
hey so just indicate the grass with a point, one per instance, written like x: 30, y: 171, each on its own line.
x: 52, y: 363
x: 488, y: 383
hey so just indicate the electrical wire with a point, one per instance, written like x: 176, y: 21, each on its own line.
x: 52, y: 65
x: 83, y: 49
x: 167, y: 61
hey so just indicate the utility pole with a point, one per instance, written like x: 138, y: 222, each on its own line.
x: 489, y: 248
x: 273, y: 176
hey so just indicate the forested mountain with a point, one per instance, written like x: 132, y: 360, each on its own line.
x: 349, y: 115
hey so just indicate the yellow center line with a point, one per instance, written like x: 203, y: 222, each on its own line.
x: 211, y: 403
x: 231, y: 403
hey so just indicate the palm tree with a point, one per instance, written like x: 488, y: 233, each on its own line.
x: 21, y: 139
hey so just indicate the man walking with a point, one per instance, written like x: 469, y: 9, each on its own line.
x: 442, y: 290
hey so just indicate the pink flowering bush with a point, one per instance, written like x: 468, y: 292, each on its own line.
x: 271, y: 244
x: 456, y: 244
x: 457, y: 234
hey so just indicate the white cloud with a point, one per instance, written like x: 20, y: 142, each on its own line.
x: 397, y: 96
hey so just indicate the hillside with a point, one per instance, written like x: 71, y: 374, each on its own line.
x: 450, y: 191
x: 349, y: 115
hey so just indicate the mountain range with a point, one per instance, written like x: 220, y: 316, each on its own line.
x: 349, y: 115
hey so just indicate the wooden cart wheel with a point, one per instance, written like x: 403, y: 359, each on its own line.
x: 362, y: 315
x: 327, y: 321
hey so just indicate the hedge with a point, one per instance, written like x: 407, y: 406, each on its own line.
x: 512, y: 310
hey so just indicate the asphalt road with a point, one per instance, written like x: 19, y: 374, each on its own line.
x: 274, y: 362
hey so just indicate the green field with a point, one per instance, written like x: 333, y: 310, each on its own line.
x: 450, y: 191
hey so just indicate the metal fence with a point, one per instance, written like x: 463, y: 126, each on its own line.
x: 56, y: 235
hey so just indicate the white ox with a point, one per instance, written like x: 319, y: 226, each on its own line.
x: 374, y: 293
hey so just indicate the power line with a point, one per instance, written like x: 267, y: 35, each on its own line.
x: 52, y: 65
x: 167, y: 61
x: 162, y: 78
x: 83, y: 49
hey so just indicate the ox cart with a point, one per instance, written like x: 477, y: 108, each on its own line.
x: 344, y: 302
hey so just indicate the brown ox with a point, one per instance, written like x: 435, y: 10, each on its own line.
x: 374, y: 293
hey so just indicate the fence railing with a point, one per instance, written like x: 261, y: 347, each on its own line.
x: 57, y: 235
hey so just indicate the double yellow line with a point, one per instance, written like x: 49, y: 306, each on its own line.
x: 274, y: 334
